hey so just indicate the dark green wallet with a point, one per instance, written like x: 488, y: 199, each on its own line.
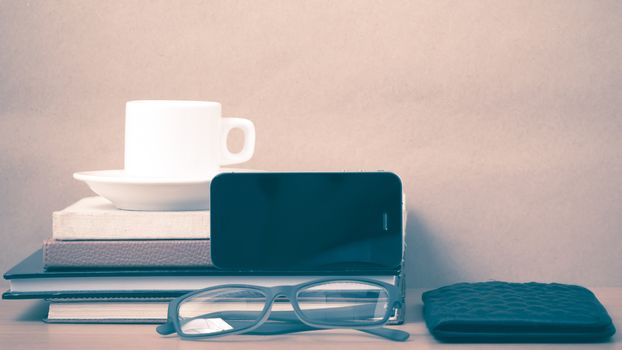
x: 515, y: 312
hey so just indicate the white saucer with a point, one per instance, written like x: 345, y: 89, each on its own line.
x: 151, y: 193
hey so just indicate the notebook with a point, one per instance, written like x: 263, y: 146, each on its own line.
x: 29, y: 280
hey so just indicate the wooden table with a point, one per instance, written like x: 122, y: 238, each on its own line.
x: 21, y: 328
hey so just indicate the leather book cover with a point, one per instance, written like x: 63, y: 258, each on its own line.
x: 126, y: 253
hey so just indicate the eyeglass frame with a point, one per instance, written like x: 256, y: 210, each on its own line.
x: 290, y: 292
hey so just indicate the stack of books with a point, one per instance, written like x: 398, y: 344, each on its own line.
x: 108, y: 265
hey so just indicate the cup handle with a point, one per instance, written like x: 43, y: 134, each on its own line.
x: 247, y: 126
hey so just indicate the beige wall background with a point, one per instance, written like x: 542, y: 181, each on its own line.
x: 502, y: 117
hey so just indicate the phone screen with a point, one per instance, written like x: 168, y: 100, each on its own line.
x: 306, y: 221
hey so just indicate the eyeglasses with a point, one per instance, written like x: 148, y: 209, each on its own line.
x: 361, y: 304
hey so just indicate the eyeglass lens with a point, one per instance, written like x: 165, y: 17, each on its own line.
x: 344, y: 303
x: 221, y: 310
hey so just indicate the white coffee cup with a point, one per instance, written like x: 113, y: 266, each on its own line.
x: 181, y: 139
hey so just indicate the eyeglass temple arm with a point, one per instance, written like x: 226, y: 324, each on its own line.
x: 289, y: 316
x: 294, y: 324
x: 284, y: 328
x: 337, y: 312
x: 297, y: 326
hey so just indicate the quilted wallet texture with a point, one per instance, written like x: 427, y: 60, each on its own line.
x: 515, y: 312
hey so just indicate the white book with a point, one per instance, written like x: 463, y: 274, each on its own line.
x: 107, y: 310
x: 97, y: 218
x: 137, y: 310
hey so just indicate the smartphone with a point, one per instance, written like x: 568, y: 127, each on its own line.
x: 307, y: 221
